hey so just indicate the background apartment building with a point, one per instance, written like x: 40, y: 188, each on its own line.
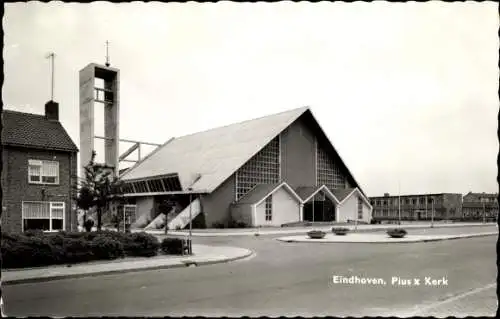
x: 417, y: 207
x: 479, y: 206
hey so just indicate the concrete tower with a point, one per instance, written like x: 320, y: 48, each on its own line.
x: 107, y: 97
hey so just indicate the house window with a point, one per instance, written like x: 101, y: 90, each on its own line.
x: 328, y: 170
x: 43, y: 172
x: 47, y: 216
x: 269, y: 208
x: 263, y: 168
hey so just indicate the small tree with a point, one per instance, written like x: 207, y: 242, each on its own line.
x: 98, y: 189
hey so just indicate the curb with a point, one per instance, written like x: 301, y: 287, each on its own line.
x: 181, y: 264
x: 385, y: 242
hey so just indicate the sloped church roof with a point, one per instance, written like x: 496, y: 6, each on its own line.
x: 213, y: 156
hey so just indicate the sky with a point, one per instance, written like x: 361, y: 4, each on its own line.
x: 406, y: 92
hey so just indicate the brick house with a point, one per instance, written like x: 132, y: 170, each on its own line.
x: 39, y: 168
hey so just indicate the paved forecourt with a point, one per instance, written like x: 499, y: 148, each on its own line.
x: 202, y: 255
x: 378, y: 238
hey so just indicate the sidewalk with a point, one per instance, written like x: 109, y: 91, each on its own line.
x: 378, y: 238
x: 303, y: 230
x: 203, y: 255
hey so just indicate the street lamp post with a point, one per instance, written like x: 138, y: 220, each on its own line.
x: 190, y: 217
x: 432, y: 213
x: 484, y: 214
x: 356, y: 222
x: 498, y: 210
x: 399, y: 204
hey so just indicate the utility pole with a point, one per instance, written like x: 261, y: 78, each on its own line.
x: 51, y: 56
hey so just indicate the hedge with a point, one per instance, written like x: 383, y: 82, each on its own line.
x: 33, y: 248
x: 174, y: 246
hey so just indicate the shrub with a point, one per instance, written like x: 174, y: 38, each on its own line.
x: 34, y: 233
x: 173, y: 246
x: 316, y: 234
x: 116, y: 235
x: 107, y: 248
x: 41, y: 249
x: 237, y: 224
x: 78, y: 250
x: 340, y: 230
x: 28, y: 251
x: 141, y: 244
x: 396, y: 232
x: 218, y: 225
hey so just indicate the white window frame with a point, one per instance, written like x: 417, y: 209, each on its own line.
x: 52, y: 205
x: 41, y: 164
x: 268, y: 208
x: 128, y: 214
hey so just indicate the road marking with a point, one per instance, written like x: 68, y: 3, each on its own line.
x: 451, y: 299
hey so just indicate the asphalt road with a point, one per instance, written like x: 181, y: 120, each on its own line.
x: 293, y: 279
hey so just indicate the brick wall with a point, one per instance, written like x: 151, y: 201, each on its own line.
x: 16, y: 188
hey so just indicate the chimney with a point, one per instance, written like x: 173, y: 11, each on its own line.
x: 52, y: 111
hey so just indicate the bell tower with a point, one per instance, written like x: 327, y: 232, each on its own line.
x: 107, y: 97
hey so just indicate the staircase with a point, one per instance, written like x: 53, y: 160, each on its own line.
x: 175, y: 219
x: 160, y: 221
x: 181, y: 220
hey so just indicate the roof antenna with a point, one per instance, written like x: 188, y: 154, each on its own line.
x: 107, y: 53
x: 51, y: 56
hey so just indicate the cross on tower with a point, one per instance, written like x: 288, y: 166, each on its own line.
x: 107, y: 53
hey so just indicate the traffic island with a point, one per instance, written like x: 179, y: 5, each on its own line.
x: 378, y: 238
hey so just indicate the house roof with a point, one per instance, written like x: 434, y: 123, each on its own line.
x: 341, y: 194
x: 257, y: 193
x: 305, y: 191
x: 215, y: 154
x: 34, y: 131
x: 261, y: 191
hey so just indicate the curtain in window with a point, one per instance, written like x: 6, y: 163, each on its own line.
x: 34, y: 172
x: 50, y: 171
x: 36, y: 210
